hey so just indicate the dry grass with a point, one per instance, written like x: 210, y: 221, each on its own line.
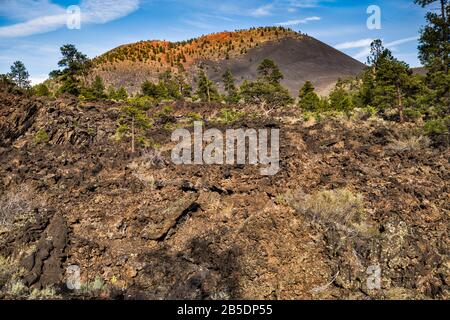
x: 5, y: 265
x: 141, y: 173
x: 141, y: 167
x: 10, y: 275
x: 341, y: 207
x: 153, y: 158
x: 47, y: 293
x: 408, y: 142
x: 17, y: 205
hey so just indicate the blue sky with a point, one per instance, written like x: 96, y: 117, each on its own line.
x: 33, y: 30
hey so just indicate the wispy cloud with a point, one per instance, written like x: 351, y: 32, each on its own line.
x: 216, y: 17
x: 274, y: 8
x: 298, y: 21
x: 28, y: 9
x: 354, y: 44
x: 102, y: 11
x: 303, y: 3
x: 262, y: 11
x: 38, y: 25
x: 54, y: 17
x: 401, y: 41
x: 365, y: 44
x: 197, y: 23
x: 362, y: 54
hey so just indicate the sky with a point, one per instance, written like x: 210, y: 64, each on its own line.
x: 33, y: 30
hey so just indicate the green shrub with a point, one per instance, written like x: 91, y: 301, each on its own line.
x: 194, y: 116
x: 437, y: 126
x: 41, y: 137
x: 307, y: 116
x: 98, y: 88
x: 341, y: 100
x: 121, y: 94
x: 229, y: 116
x: 156, y: 91
x: 271, y: 94
x: 413, y: 114
x: 145, y: 103
x: 371, y: 110
x: 41, y: 90
x: 98, y: 285
x: 43, y: 294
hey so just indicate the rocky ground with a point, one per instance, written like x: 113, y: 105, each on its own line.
x: 351, y: 195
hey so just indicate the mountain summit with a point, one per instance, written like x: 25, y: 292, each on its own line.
x: 299, y: 56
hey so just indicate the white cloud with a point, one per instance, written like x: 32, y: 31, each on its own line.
x: 38, y: 25
x: 38, y: 79
x: 204, y: 20
x: 390, y: 45
x: 303, y: 3
x: 262, y: 11
x: 401, y: 41
x: 92, y: 12
x: 362, y: 54
x: 197, y: 24
x: 241, y: 8
x: 299, y: 21
x: 28, y: 9
x: 102, y: 11
x: 354, y: 44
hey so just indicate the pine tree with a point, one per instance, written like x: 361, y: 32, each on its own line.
x: 75, y: 64
x: 122, y: 94
x: 389, y: 79
x: 73, y: 61
x: 268, y: 71
x: 271, y: 95
x: 19, y: 75
x: 171, y: 85
x: 308, y: 99
x: 341, y: 99
x: 148, y: 89
x: 98, y: 88
x: 434, y: 53
x: 228, y: 81
x: 434, y: 49
x: 230, y: 87
x: 377, y: 53
x: 112, y: 94
x: 267, y: 89
x: 133, y: 122
x: 206, y: 89
x: 184, y: 87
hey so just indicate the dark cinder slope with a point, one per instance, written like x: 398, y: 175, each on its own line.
x: 299, y: 60
x: 299, y: 56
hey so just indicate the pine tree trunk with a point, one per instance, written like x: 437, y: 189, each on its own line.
x: 444, y: 32
x: 132, y: 136
x: 400, y: 104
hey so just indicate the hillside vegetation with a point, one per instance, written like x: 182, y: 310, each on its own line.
x: 223, y: 45
x: 299, y: 56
